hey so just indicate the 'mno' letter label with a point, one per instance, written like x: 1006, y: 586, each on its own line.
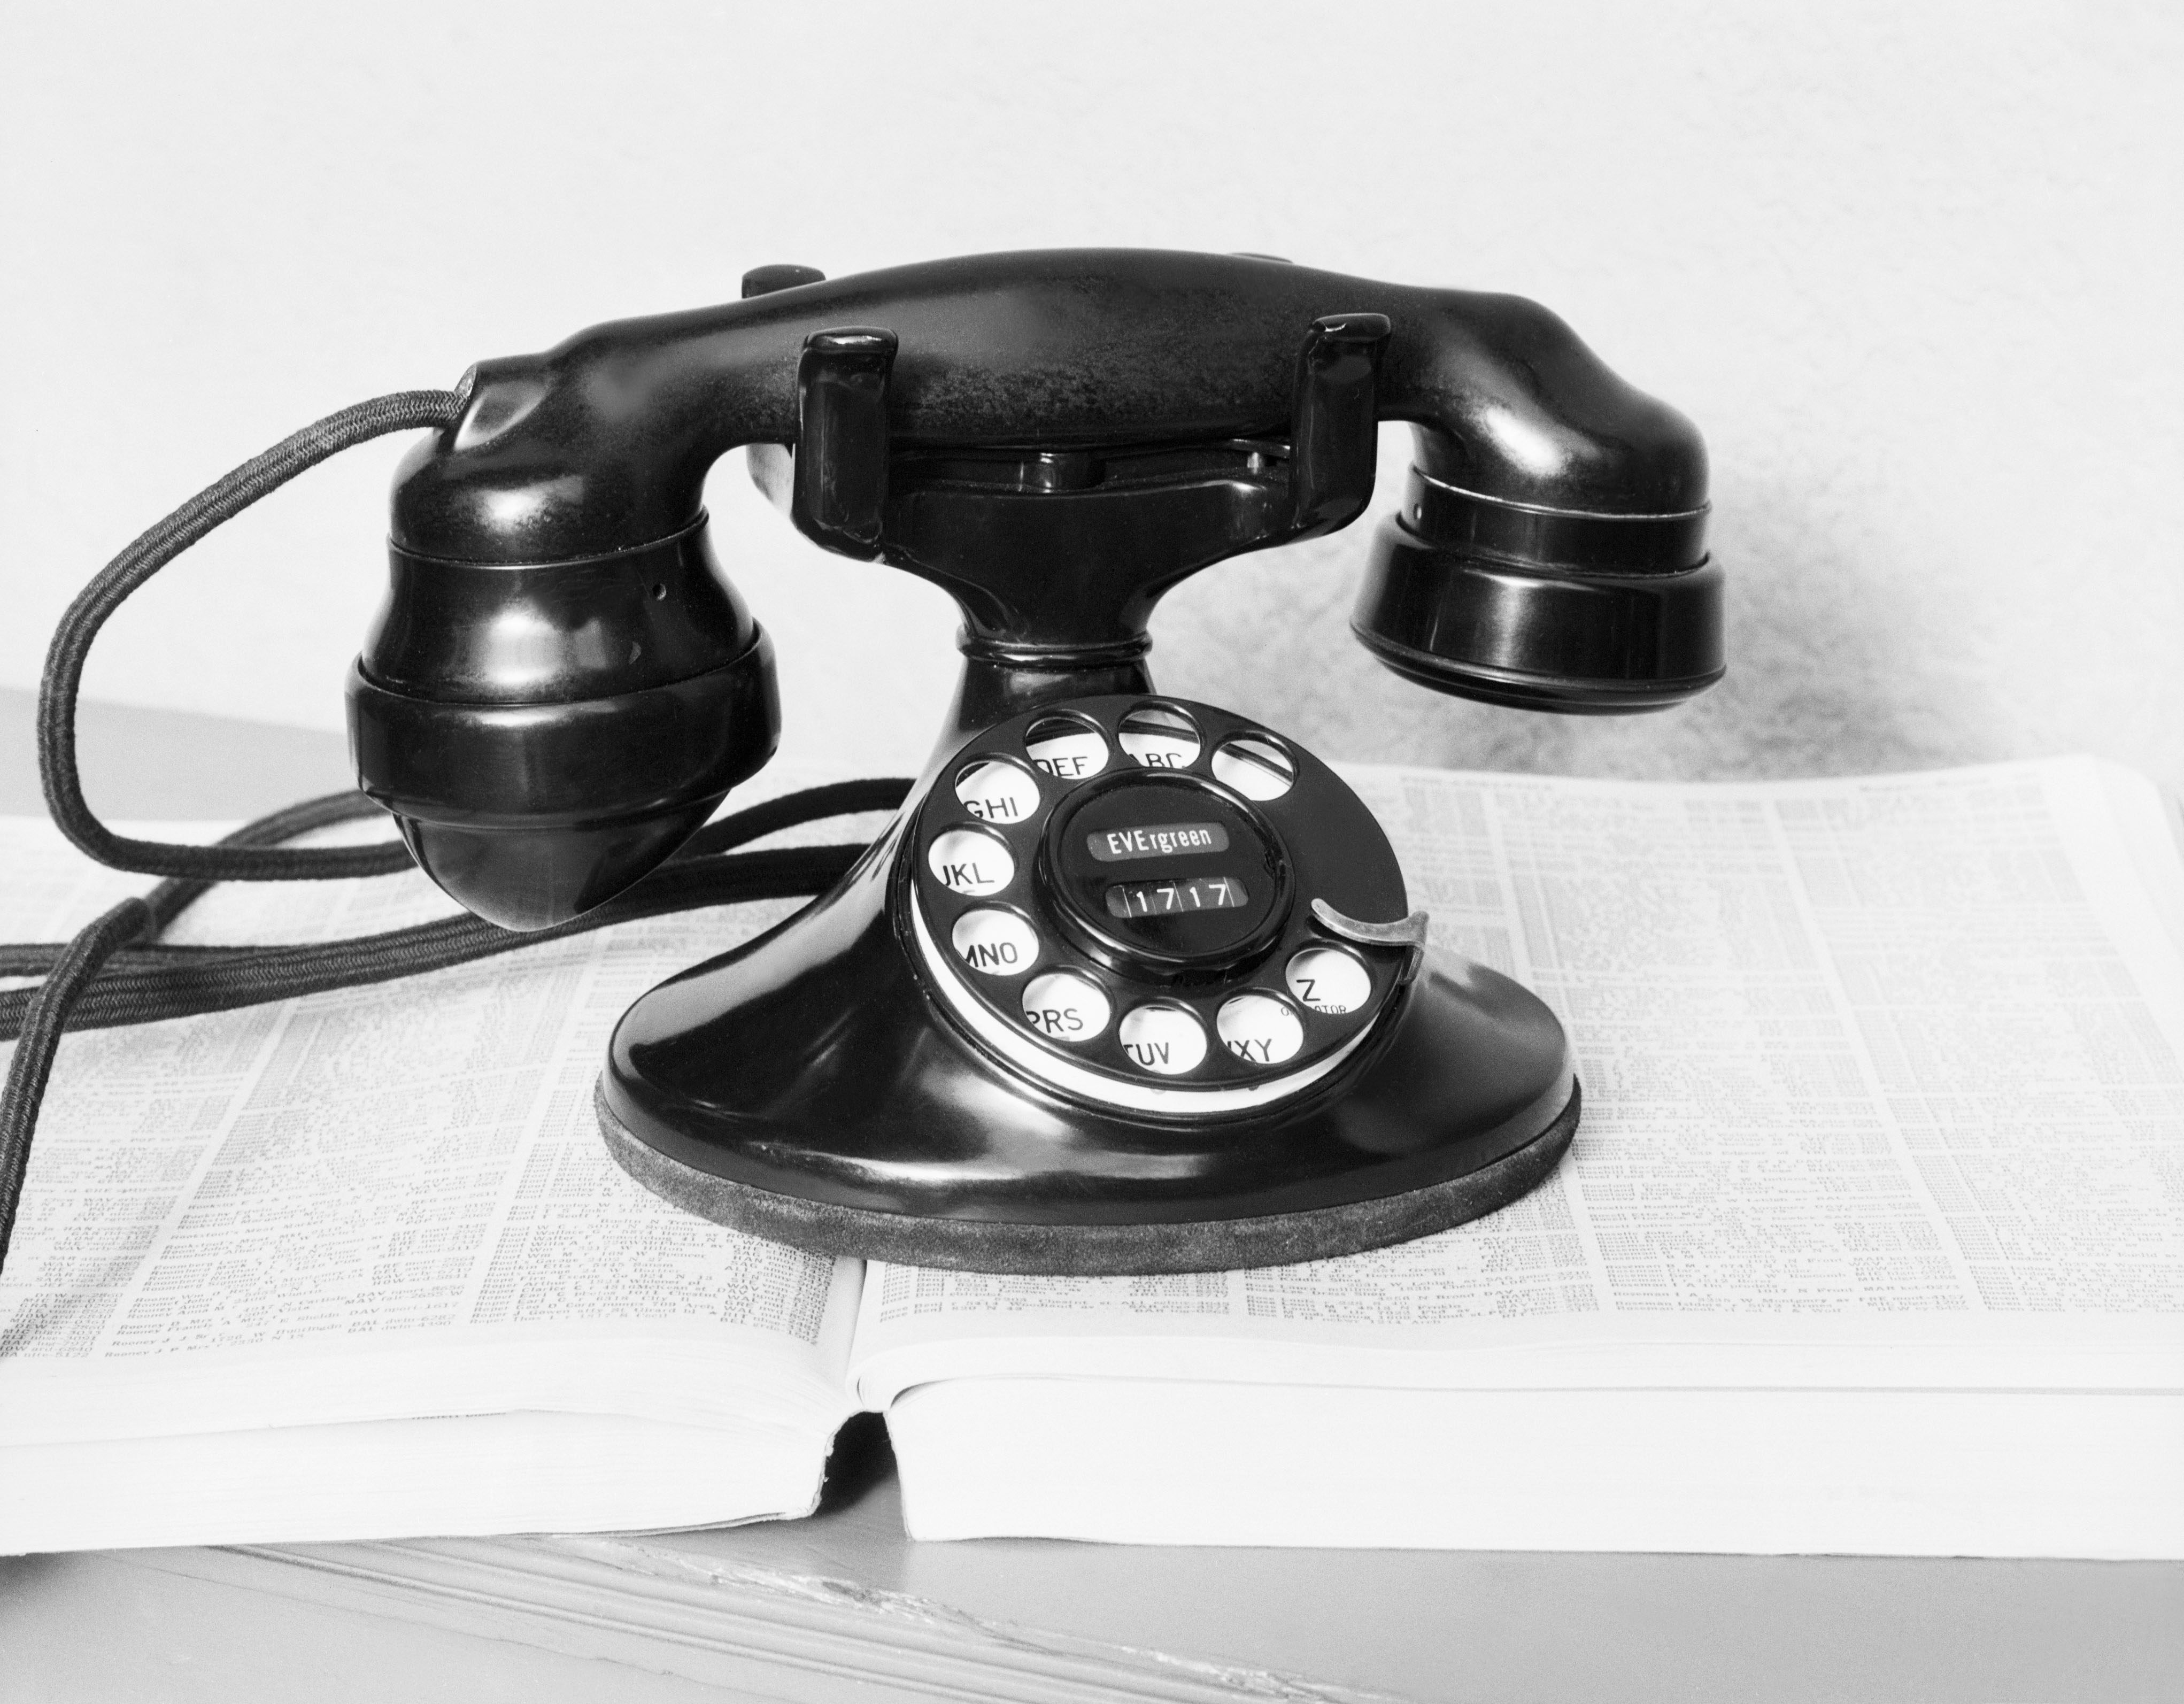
x: 994, y: 943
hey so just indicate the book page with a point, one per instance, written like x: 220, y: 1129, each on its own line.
x: 381, y: 1201
x: 1881, y: 1083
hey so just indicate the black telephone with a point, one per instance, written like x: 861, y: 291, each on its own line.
x: 1130, y: 984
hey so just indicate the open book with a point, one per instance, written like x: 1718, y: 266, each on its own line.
x: 1872, y: 1239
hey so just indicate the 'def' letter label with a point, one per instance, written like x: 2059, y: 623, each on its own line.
x: 1066, y: 751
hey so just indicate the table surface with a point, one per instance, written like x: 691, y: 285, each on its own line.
x: 842, y: 1606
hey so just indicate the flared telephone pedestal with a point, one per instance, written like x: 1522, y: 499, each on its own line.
x: 1130, y: 986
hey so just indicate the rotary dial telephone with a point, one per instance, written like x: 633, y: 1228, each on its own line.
x: 1130, y: 984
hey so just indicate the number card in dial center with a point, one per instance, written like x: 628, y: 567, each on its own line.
x: 1167, y: 898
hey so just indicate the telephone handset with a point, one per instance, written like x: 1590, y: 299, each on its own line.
x: 1130, y: 984
x: 561, y: 684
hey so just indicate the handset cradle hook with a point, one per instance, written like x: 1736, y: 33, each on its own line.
x: 838, y: 496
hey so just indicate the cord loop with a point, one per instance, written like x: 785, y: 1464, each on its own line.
x: 151, y: 551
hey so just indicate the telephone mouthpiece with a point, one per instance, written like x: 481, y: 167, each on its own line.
x: 547, y: 734
x: 1542, y: 609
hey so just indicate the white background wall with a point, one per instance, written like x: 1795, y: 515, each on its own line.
x: 1914, y: 270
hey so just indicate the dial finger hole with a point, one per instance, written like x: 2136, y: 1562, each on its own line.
x: 1065, y: 749
x: 1166, y: 1040
x: 1327, y: 979
x: 1159, y: 737
x: 972, y: 862
x: 1260, y: 1029
x: 994, y: 943
x: 1256, y: 765
x: 998, y: 791
x: 1065, y: 1005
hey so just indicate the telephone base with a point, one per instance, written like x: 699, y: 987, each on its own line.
x: 1092, y: 1249
x: 833, y: 1085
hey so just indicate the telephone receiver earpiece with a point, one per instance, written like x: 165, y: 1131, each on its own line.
x: 562, y: 686
x: 546, y: 734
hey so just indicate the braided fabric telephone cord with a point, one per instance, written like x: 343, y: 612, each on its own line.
x: 116, y: 970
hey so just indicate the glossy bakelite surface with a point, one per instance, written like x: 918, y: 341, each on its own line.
x: 1483, y: 627
x: 814, y: 1064
x: 820, y: 1063
x: 555, y: 631
x: 1542, y: 609
x: 545, y: 735
x: 532, y: 813
x: 602, y: 444
x: 1057, y: 438
x: 993, y: 1019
